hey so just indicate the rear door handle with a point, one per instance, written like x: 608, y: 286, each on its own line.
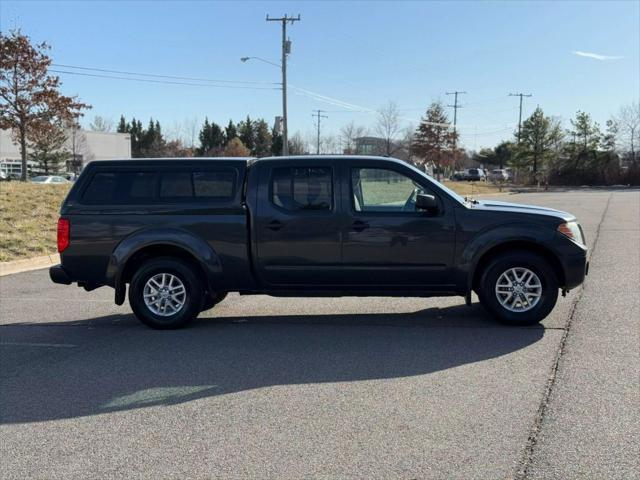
x: 275, y: 225
x: 359, y: 225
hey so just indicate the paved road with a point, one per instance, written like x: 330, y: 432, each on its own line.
x: 331, y: 388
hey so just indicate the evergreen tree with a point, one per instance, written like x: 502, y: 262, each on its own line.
x: 539, y: 140
x: 276, y: 143
x: 153, y: 143
x: 503, y: 153
x: 230, y: 132
x: 123, y: 126
x: 263, y: 139
x: 47, y: 149
x: 137, y: 134
x: 246, y: 133
x: 581, y: 152
x: 203, y: 136
x: 211, y: 139
x: 434, y: 141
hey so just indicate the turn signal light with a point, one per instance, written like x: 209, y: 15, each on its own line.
x: 64, y: 228
x: 571, y: 230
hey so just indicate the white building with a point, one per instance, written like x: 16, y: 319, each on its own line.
x: 83, y: 146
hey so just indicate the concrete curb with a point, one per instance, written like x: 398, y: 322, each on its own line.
x: 28, y: 264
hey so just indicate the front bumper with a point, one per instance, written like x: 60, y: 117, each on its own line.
x: 576, y: 268
x: 58, y: 275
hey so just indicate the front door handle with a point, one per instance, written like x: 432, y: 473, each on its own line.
x: 359, y: 225
x: 275, y: 225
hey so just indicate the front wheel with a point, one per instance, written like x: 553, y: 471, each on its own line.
x: 165, y: 293
x: 518, y: 288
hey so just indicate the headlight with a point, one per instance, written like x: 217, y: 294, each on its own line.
x: 573, y: 231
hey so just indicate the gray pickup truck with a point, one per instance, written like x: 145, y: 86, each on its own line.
x: 182, y: 233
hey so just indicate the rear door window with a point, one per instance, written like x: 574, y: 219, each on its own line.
x: 302, y: 188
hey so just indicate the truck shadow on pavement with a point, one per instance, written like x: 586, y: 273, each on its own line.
x: 54, y: 371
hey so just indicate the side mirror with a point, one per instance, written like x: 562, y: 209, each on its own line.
x: 426, y: 202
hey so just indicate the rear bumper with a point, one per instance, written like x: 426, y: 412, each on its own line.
x: 58, y: 275
x: 576, y: 268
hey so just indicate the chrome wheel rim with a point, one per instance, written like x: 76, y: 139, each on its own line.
x: 518, y: 289
x: 164, y: 294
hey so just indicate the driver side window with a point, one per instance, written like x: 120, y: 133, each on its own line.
x: 382, y: 190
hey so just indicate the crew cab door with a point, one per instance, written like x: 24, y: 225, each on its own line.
x: 297, y: 225
x: 388, y: 242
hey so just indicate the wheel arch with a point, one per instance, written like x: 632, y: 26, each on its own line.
x: 135, y: 250
x: 513, y: 245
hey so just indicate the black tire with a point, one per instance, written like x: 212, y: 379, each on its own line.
x: 486, y: 288
x: 192, y: 301
x: 210, y: 301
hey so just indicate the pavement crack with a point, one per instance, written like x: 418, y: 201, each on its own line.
x: 523, y: 468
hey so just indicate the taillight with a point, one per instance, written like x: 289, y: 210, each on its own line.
x: 63, y: 234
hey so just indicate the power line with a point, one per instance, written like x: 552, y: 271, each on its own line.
x: 155, y: 75
x: 168, y: 82
x: 520, y: 115
x: 318, y: 115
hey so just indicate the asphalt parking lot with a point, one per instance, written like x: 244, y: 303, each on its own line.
x: 263, y: 387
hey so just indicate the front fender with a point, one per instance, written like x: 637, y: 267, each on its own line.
x: 523, y: 233
x: 174, y: 237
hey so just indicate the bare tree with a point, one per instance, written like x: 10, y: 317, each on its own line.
x: 298, y: 145
x: 628, y: 123
x: 349, y: 133
x: 191, y: 130
x: 175, y: 132
x: 77, y: 147
x: 388, y: 126
x: 408, y: 136
x: 329, y: 144
x: 101, y: 124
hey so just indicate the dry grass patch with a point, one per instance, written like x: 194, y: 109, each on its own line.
x: 474, y: 188
x: 28, y: 219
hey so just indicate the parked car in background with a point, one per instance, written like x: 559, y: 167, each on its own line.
x: 459, y: 175
x: 476, y: 175
x: 498, y: 175
x: 4, y: 175
x: 49, y: 179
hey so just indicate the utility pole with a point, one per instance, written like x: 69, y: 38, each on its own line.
x: 286, y: 49
x: 318, y: 115
x: 520, y: 115
x: 455, y: 107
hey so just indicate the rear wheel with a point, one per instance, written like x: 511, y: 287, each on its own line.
x: 165, y: 293
x: 518, y: 288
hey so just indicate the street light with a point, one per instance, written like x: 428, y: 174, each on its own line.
x: 283, y: 85
x: 246, y: 59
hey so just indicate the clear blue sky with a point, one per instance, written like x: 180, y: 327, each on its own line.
x: 364, y: 53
